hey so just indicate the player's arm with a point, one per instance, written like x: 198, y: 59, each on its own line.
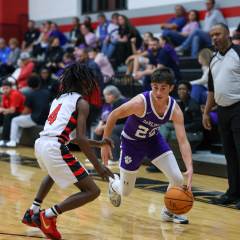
x: 96, y: 143
x: 185, y: 148
x: 134, y: 106
x: 82, y: 141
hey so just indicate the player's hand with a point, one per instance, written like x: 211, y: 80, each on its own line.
x: 206, y: 121
x: 106, y: 154
x: 104, y: 172
x: 189, y: 174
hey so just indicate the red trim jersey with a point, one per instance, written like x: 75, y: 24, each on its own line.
x: 62, y: 119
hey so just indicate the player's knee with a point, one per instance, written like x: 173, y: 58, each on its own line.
x: 94, y: 193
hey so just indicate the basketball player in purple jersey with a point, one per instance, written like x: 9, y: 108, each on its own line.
x: 66, y: 122
x: 140, y: 137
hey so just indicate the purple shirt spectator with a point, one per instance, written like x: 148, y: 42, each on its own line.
x: 190, y: 27
x: 91, y: 39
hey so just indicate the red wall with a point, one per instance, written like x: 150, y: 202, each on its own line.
x: 13, y: 18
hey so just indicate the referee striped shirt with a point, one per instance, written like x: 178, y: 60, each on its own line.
x: 224, y: 76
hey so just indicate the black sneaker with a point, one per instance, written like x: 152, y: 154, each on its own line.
x: 238, y: 205
x: 225, y: 199
x: 27, y: 218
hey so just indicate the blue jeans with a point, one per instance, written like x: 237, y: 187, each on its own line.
x: 195, y: 40
x: 108, y: 49
x: 174, y: 36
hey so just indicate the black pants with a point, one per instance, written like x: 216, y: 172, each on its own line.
x: 229, y: 123
x: 5, y: 121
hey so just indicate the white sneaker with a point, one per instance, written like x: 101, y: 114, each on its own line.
x: 114, y: 197
x: 11, y: 144
x: 2, y: 143
x: 167, y: 216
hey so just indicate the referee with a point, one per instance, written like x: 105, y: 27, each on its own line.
x: 224, y: 90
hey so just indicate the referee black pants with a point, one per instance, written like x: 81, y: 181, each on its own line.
x: 229, y: 122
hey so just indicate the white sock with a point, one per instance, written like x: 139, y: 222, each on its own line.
x: 35, y: 207
x: 51, y: 212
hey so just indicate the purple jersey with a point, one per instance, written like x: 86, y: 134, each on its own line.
x: 147, y: 126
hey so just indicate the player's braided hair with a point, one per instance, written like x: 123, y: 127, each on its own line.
x: 77, y: 78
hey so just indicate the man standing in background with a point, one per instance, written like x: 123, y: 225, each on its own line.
x: 224, y: 90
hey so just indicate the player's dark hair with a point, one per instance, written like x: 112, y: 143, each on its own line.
x: 77, y: 78
x: 163, y: 75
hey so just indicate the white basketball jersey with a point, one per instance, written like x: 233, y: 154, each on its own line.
x: 62, y: 119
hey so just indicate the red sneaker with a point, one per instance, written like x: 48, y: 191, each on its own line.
x: 47, y: 225
x: 27, y: 218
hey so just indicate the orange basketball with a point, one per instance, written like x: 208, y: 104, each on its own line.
x: 178, y: 200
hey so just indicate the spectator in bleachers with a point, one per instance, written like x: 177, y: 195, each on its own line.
x: 39, y: 51
x: 160, y: 54
x: 11, y: 63
x: 126, y: 32
x: 90, y: 39
x: 68, y: 59
x: 236, y: 39
x: 102, y: 28
x: 26, y: 69
x: 45, y: 78
x: 138, y: 59
x: 110, y: 41
x: 81, y: 55
x: 201, y: 38
x: 88, y: 22
x: 11, y: 106
x: 75, y: 35
x: 199, y: 86
x: 35, y: 111
x: 175, y: 23
x: 54, y: 55
x: 178, y: 37
x: 102, y: 61
x: 45, y: 30
x: 4, y: 51
x: 30, y: 36
x: 56, y: 33
x: 15, y: 52
x: 192, y: 116
x: 113, y: 99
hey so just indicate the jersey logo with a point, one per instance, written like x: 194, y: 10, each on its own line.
x: 128, y: 159
x: 53, y: 116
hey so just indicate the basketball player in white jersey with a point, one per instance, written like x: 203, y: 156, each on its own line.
x: 66, y: 122
x: 141, y: 137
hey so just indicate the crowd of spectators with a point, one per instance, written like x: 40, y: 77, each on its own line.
x: 29, y: 71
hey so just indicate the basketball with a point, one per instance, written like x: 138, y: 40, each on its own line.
x: 178, y: 200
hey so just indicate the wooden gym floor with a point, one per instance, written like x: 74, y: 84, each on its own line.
x: 138, y: 218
